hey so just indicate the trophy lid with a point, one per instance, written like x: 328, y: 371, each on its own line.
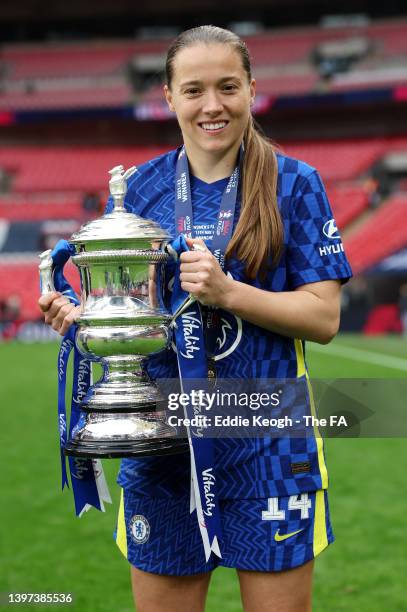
x: 119, y: 225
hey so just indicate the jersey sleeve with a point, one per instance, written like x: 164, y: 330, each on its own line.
x: 314, y: 248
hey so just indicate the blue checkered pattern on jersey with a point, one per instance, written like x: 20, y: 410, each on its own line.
x: 248, y: 468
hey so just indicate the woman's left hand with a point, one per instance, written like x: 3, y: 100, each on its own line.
x: 202, y: 276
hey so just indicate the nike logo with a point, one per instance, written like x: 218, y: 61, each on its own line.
x: 280, y: 538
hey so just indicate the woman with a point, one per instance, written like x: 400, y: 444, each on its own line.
x: 276, y: 285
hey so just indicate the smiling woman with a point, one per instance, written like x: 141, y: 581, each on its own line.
x: 265, y: 278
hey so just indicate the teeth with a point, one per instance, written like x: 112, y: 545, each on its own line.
x: 213, y: 126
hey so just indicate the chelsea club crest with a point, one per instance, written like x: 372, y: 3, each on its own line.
x: 139, y: 528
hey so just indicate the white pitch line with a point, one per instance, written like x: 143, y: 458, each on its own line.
x: 386, y: 361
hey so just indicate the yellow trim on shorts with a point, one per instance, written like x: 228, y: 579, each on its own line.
x: 320, y: 535
x: 301, y: 371
x: 121, y: 537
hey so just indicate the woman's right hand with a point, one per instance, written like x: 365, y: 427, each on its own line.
x: 58, y: 311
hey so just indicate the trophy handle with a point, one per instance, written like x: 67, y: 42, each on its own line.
x: 51, y: 271
x: 46, y: 272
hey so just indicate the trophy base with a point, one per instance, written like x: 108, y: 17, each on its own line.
x: 122, y: 449
x: 124, y: 435
x: 123, y: 392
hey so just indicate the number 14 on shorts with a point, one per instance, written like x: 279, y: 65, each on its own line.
x: 295, y: 502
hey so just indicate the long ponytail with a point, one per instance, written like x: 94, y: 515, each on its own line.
x: 259, y: 233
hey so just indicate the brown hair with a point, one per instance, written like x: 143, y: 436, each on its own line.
x: 259, y: 232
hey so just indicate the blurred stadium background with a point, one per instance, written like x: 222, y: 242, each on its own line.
x: 80, y: 92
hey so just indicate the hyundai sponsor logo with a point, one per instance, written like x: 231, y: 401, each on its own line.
x: 331, y: 249
x: 330, y: 230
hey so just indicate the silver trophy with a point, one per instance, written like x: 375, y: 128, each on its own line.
x: 121, y: 260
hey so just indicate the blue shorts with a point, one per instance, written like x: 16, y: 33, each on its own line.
x: 159, y: 535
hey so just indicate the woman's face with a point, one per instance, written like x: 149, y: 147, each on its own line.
x: 211, y: 96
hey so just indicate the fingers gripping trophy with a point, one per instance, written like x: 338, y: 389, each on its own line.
x: 121, y: 260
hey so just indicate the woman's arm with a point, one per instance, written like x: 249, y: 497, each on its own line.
x: 311, y: 312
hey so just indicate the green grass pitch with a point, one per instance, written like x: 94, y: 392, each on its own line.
x: 44, y: 548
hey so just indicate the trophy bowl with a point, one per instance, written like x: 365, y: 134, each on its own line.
x: 121, y: 261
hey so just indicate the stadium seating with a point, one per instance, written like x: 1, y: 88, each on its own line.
x: 345, y: 159
x: 46, y: 76
x: 348, y: 201
x: 76, y: 170
x: 286, y: 84
x: 67, y: 169
x: 295, y: 45
x: 73, y: 59
x: 47, y: 206
x: 383, y: 319
x: 21, y: 278
x: 384, y: 233
x: 389, y: 36
x: 119, y: 94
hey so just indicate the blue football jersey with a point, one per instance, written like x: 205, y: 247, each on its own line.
x: 313, y: 251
